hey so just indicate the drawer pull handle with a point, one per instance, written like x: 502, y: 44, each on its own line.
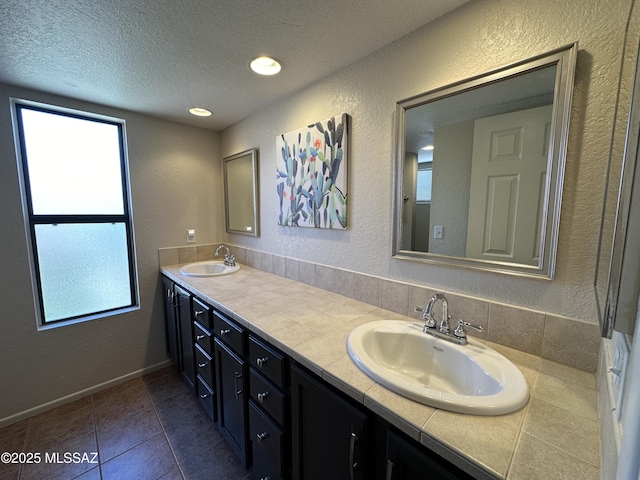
x: 200, y: 337
x: 202, y: 365
x: 224, y: 331
x: 204, y: 395
x: 261, y: 361
x: 261, y: 436
x: 198, y: 312
x: 262, y: 396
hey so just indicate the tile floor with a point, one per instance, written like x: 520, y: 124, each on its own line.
x: 148, y: 428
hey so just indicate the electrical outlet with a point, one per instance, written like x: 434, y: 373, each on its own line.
x: 191, y: 235
x: 437, y: 232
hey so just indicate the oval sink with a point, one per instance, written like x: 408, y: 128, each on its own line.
x: 208, y: 268
x: 473, y: 378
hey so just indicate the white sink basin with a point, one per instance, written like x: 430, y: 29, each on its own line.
x: 473, y: 378
x: 209, y: 268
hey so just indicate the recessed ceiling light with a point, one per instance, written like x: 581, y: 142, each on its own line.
x: 265, y: 65
x: 200, y: 112
x: 427, y: 147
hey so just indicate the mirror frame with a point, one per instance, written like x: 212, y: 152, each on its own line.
x: 254, y: 184
x: 564, y: 58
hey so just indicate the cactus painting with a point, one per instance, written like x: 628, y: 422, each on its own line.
x: 311, y: 177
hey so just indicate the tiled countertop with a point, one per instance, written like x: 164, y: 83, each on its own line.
x: 556, y: 435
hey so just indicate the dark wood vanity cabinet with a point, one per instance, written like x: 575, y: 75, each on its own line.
x: 231, y: 381
x: 329, y: 434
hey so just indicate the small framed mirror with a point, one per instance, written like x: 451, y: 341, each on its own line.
x: 241, y: 193
x: 479, y: 168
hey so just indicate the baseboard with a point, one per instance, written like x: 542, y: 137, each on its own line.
x: 82, y: 393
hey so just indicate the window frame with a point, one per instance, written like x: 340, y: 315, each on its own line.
x: 31, y: 219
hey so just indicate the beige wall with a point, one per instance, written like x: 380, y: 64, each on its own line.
x: 473, y: 39
x: 176, y: 184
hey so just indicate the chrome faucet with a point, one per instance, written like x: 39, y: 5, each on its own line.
x: 229, y: 259
x: 443, y: 330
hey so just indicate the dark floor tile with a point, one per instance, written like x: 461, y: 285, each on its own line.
x: 109, y: 408
x: 56, y: 466
x: 61, y: 411
x: 149, y: 377
x: 217, y: 463
x: 126, y: 432
x: 194, y: 435
x: 14, y: 429
x: 176, y: 409
x: 14, y: 443
x: 174, y: 474
x: 117, y: 389
x: 48, y: 432
x: 11, y: 473
x: 148, y: 461
x: 165, y: 386
x: 93, y: 474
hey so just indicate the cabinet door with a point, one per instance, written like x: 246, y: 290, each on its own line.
x: 188, y: 367
x: 407, y: 461
x: 232, y: 403
x: 171, y: 322
x: 328, y: 432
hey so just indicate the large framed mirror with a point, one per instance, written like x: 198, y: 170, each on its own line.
x: 479, y: 168
x: 241, y: 193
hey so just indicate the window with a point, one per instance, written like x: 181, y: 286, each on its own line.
x: 75, y: 195
x: 423, y: 194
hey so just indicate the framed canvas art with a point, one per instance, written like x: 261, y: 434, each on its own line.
x: 312, y: 164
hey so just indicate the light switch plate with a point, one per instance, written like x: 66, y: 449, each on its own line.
x: 191, y: 235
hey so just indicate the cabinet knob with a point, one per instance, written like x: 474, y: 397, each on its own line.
x: 262, y: 396
x: 202, y: 365
x: 265, y: 478
x: 204, y: 395
x: 198, y: 313
x: 200, y: 337
x: 261, y: 436
x: 224, y: 331
x: 261, y: 361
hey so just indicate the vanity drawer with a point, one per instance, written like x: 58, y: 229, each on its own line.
x: 262, y: 470
x: 268, y: 396
x: 267, y: 437
x: 203, y: 338
x: 206, y: 397
x: 229, y: 332
x: 267, y: 360
x: 204, y: 366
x: 202, y: 312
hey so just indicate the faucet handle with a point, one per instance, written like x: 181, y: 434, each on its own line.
x: 461, y: 332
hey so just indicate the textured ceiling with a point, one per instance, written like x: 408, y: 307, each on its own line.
x: 160, y: 57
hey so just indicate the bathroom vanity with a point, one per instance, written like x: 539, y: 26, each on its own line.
x: 292, y: 404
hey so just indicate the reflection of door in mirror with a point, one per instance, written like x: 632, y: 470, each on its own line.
x: 409, y: 200
x: 508, y: 186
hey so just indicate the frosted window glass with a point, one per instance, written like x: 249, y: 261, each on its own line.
x: 84, y: 268
x: 74, y: 165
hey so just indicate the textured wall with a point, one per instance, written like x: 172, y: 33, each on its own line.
x: 176, y: 182
x: 477, y: 37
